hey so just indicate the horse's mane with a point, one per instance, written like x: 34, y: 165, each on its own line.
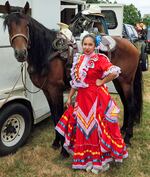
x: 41, y: 43
x: 40, y: 37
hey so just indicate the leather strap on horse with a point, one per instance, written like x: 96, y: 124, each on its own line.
x: 24, y: 85
x: 54, y: 54
x: 62, y: 44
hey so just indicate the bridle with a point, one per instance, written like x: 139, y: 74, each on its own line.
x: 20, y: 35
x: 23, y: 36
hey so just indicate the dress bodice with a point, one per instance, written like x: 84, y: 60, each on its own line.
x: 87, y: 69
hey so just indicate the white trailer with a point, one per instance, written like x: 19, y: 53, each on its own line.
x: 19, y: 109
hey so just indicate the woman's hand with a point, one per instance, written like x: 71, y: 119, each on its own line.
x: 68, y: 102
x: 99, y: 82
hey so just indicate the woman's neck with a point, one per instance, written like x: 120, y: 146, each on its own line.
x: 89, y: 55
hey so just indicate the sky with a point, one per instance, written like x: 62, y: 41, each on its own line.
x: 142, y: 5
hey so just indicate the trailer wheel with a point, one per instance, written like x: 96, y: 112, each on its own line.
x: 15, y: 127
x: 144, y: 62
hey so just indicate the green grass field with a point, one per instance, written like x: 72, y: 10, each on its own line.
x: 37, y: 159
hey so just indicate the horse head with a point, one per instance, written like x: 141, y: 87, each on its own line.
x: 17, y: 23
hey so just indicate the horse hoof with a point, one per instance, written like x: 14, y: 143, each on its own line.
x: 55, y: 145
x: 64, y: 154
x: 128, y: 144
x: 123, y: 130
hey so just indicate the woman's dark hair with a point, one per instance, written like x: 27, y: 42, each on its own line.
x: 91, y: 36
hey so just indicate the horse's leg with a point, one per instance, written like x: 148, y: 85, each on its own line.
x: 56, y: 142
x: 134, y: 103
x: 124, y: 103
x: 130, y: 112
x: 125, y: 91
x: 56, y: 112
x: 55, y: 100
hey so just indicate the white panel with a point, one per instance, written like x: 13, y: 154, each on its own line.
x: 75, y: 1
x: 20, y: 3
x: 118, y: 9
x: 9, y: 67
x: 38, y: 100
x: 119, y: 14
x: 47, y: 12
x: 10, y: 71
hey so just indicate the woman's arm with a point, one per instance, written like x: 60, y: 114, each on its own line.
x: 106, y: 79
x: 71, y: 93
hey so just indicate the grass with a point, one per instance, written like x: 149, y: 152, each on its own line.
x: 38, y: 159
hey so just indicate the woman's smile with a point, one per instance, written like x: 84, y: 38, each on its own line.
x: 88, y: 46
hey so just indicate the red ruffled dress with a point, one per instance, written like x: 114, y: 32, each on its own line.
x: 90, y: 127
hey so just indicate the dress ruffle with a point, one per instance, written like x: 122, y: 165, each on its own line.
x: 105, y: 145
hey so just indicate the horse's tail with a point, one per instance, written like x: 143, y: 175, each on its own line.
x: 138, y: 93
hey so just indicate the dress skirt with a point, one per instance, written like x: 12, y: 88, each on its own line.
x: 91, y: 129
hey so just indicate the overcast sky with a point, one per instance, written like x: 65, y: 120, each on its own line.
x: 142, y: 5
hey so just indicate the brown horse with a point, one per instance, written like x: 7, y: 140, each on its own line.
x: 32, y: 42
x: 126, y: 56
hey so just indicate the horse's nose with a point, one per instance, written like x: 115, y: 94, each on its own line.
x: 21, y: 55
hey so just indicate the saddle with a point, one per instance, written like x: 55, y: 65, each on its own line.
x: 64, y: 41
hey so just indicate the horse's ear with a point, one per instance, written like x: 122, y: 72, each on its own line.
x: 26, y: 8
x: 7, y: 7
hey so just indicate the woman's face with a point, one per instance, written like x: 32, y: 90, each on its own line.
x: 88, y: 45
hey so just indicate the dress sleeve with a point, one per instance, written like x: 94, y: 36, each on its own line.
x: 107, y: 67
x: 73, y: 82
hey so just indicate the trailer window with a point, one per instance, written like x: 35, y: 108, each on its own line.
x: 111, y: 19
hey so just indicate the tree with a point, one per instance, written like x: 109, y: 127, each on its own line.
x: 146, y: 20
x: 131, y: 14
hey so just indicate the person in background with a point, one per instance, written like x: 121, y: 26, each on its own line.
x: 90, y: 126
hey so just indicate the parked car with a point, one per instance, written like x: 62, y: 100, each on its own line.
x: 147, y: 41
x: 131, y: 34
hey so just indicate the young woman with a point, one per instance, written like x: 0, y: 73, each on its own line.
x: 90, y: 127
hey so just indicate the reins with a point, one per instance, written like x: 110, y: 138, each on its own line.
x: 24, y: 85
x: 6, y: 99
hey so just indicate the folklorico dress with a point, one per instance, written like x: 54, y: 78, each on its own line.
x: 90, y: 127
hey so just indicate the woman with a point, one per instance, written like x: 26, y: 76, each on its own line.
x: 90, y: 127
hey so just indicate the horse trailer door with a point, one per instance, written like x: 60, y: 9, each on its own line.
x: 9, y: 67
x: 10, y: 71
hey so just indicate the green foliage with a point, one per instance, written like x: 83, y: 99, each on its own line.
x: 131, y: 14
x: 146, y: 21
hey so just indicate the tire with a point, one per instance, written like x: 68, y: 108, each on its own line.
x: 144, y: 62
x: 144, y: 59
x: 15, y: 127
